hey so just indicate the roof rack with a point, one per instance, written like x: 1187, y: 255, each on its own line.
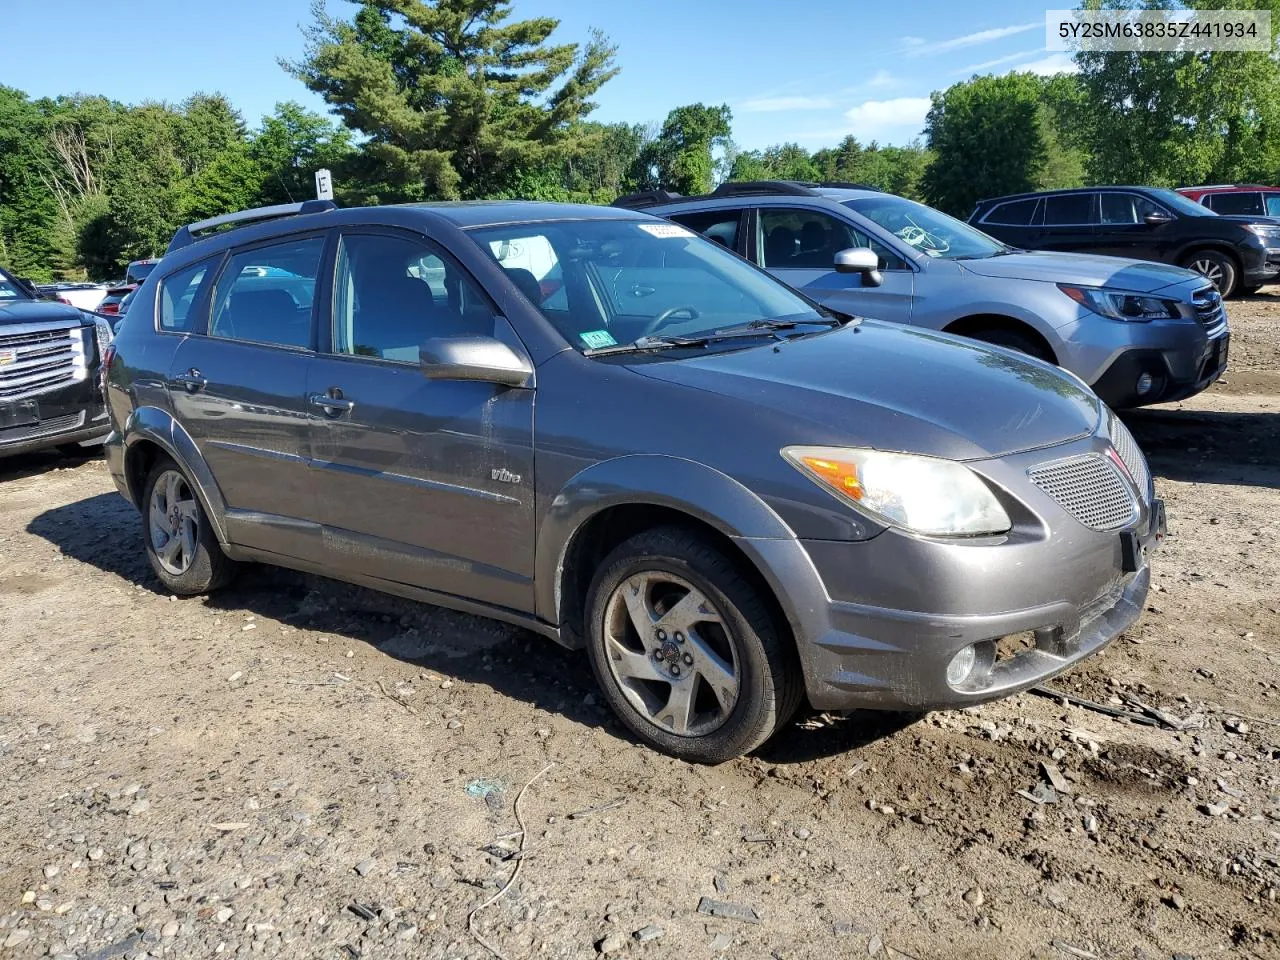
x: 848, y: 185
x: 788, y: 188
x: 191, y: 232
x: 646, y: 198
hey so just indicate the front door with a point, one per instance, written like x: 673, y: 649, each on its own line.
x: 238, y: 387
x: 424, y: 482
x: 799, y: 246
x: 1125, y: 232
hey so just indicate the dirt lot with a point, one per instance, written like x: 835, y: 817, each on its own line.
x: 301, y: 769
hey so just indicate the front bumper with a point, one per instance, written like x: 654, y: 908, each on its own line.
x: 73, y: 414
x: 1175, y: 373
x: 879, y: 621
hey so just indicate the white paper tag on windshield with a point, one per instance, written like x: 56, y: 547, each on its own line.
x: 665, y: 230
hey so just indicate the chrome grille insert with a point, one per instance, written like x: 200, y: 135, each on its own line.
x: 38, y: 358
x: 1130, y: 454
x: 1209, y: 310
x: 1090, y: 488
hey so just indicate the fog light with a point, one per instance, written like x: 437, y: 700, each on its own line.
x: 1145, y: 383
x: 961, y: 666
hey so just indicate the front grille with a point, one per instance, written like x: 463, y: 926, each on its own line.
x: 1089, y: 488
x: 1210, y: 312
x: 1130, y: 454
x: 37, y: 359
x: 44, y: 428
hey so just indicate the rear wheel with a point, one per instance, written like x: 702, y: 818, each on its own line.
x: 1250, y: 291
x: 1218, y: 268
x: 686, y: 651
x: 1014, y: 340
x: 180, y: 541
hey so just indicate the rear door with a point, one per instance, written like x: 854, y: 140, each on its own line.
x: 798, y: 246
x: 1069, y: 222
x: 425, y: 482
x: 724, y: 226
x: 238, y: 387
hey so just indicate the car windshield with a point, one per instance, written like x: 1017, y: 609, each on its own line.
x: 10, y: 290
x: 1176, y: 201
x: 928, y: 230
x: 138, y: 271
x: 606, y: 282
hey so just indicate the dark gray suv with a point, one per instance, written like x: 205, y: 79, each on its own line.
x: 605, y: 428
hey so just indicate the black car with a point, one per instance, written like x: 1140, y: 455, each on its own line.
x: 1237, y: 253
x: 50, y: 361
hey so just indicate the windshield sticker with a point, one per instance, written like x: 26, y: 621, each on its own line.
x: 665, y: 230
x: 597, y: 338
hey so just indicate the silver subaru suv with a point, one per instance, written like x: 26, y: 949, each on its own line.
x: 1136, y: 332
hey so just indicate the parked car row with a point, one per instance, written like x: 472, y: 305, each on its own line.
x: 731, y: 492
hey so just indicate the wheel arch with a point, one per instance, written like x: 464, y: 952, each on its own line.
x: 1216, y: 246
x: 613, y: 500
x: 974, y: 323
x: 152, y: 432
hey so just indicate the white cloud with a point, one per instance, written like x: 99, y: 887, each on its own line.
x: 999, y: 61
x: 914, y: 47
x: 777, y: 104
x: 1048, y: 66
x: 888, y: 119
x: 881, y: 79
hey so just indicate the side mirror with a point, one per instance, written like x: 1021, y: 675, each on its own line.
x: 1155, y: 218
x: 486, y: 359
x: 861, y: 260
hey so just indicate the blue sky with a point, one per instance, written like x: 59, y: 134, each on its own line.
x: 802, y: 71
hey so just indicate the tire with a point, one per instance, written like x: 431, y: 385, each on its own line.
x: 1249, y: 291
x: 1218, y: 268
x: 173, y: 514
x: 728, y: 676
x: 1013, y: 340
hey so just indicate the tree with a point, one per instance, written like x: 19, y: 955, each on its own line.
x: 292, y: 144
x: 681, y: 157
x: 452, y: 99
x: 28, y: 209
x: 987, y: 140
x: 787, y: 161
x: 1183, y: 117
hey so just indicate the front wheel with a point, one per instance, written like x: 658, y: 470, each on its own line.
x: 685, y: 650
x: 1013, y: 340
x: 1217, y: 268
x: 180, y: 542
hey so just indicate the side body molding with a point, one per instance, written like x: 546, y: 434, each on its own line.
x: 684, y: 485
x: 159, y: 427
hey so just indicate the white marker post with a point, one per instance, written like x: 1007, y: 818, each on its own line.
x: 324, y: 185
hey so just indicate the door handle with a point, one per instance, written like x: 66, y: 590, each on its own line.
x: 642, y: 290
x: 193, y: 380
x: 331, y: 405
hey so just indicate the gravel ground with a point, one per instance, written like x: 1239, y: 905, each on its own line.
x: 297, y: 768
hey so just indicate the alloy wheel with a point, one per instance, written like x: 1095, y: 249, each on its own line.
x: 1211, y: 270
x: 671, y: 653
x: 173, y: 521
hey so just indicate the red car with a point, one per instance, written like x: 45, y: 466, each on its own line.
x: 134, y: 274
x: 1250, y: 198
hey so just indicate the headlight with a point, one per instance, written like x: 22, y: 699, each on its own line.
x: 1266, y: 231
x: 1122, y: 304
x: 102, y: 330
x: 925, y: 495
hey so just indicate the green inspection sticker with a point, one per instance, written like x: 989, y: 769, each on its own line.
x: 597, y: 338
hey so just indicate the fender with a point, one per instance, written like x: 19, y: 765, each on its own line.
x: 159, y: 427
x: 1224, y: 247
x: 692, y: 488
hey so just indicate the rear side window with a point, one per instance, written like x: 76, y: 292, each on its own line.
x: 1068, y: 209
x: 718, y: 225
x: 1017, y: 213
x: 180, y: 295
x: 1229, y: 203
x: 1273, y: 204
x: 265, y: 294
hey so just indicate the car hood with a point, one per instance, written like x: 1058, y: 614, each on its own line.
x: 1250, y: 218
x: 38, y: 311
x: 1053, y: 267
x: 898, y: 388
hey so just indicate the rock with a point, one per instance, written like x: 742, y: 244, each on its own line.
x: 365, y: 866
x: 1055, y: 778
x: 51, y: 871
x: 28, y: 896
x: 1091, y: 824
x: 1175, y: 900
x: 223, y: 915
x: 407, y: 931
x: 454, y: 724
x: 613, y: 943
x: 1236, y: 725
x: 143, y: 907
x: 802, y: 834
x: 16, y: 938
x: 721, y: 942
x: 169, y: 930
x: 974, y: 897
x: 728, y: 911
x: 647, y: 933
x: 139, y: 806
x: 1215, y: 809
x: 95, y: 854
x: 874, y: 945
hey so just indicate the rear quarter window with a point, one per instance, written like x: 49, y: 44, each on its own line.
x: 1016, y: 213
x: 181, y: 294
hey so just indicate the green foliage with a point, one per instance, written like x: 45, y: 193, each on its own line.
x: 681, y: 157
x: 454, y: 100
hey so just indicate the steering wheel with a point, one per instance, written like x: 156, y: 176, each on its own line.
x: 666, y: 316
